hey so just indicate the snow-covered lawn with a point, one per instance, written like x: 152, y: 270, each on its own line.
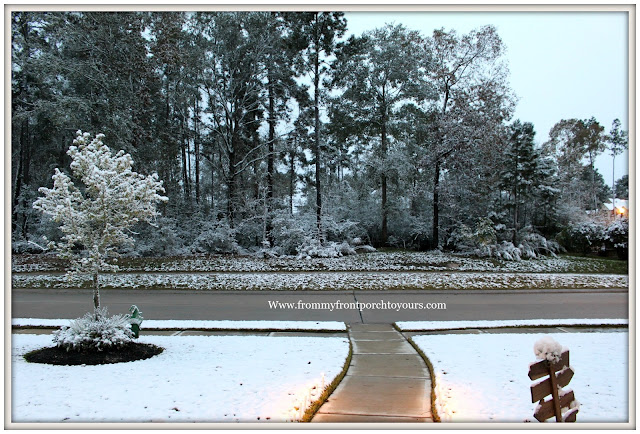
x: 203, y: 324
x: 383, y: 261
x: 483, y: 377
x: 327, y: 281
x: 195, y: 379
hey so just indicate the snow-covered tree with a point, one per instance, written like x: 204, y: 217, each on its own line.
x: 618, y: 142
x: 95, y: 218
x: 473, y: 100
x: 519, y: 170
x: 380, y: 72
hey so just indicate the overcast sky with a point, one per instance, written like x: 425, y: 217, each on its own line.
x: 562, y: 64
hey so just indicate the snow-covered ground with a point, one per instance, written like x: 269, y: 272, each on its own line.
x: 489, y: 324
x: 323, y: 281
x: 484, y: 377
x: 195, y: 379
x: 203, y: 324
x: 382, y: 261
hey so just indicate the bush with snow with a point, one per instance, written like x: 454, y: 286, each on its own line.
x: 95, y: 332
x: 462, y: 238
x: 161, y: 239
x: 342, y: 229
x: 312, y: 248
x: 617, y: 235
x: 584, y: 237
x: 216, y: 237
x: 483, y: 242
x: 533, y: 245
x: 596, y: 235
x: 289, y: 233
x: 505, y: 251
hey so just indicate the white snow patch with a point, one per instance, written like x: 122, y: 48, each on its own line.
x: 202, y: 324
x: 487, y: 324
x: 195, y: 379
x: 483, y: 378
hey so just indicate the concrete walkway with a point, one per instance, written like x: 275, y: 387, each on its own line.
x: 387, y: 381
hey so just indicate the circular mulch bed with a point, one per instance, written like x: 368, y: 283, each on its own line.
x: 126, y: 353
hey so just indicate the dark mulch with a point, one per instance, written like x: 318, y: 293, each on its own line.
x: 127, y: 353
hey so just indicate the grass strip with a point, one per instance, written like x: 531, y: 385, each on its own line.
x: 311, y: 411
x: 434, y: 411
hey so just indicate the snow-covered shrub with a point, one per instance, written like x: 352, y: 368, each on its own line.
x: 95, y: 332
x: 342, y: 230
x: 345, y: 249
x: 364, y: 248
x: 617, y: 234
x: 312, y: 248
x: 288, y: 234
x: 485, y: 234
x: 249, y: 232
x: 20, y: 246
x: 216, y: 237
x: 584, y: 237
x: 506, y: 251
x: 161, y: 239
x: 483, y: 242
x: 480, y: 241
x: 462, y: 238
x: 533, y: 244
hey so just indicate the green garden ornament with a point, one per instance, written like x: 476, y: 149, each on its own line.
x: 135, y: 319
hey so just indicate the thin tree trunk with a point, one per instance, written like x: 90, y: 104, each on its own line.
x: 185, y: 174
x: 292, y: 181
x: 270, y: 150
x: 384, y: 235
x: 436, y: 181
x: 231, y: 184
x: 96, y: 291
x: 613, y: 185
x: 594, y: 196
x: 19, y: 177
x: 436, y: 205
x: 515, y: 217
x: 316, y: 109
x: 196, y: 150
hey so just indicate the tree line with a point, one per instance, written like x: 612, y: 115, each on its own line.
x: 268, y: 128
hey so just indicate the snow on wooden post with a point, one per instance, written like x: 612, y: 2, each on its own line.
x: 554, y: 363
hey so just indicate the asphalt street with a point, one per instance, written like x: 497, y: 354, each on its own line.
x: 235, y: 305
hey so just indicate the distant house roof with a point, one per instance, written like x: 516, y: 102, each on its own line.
x: 620, y: 203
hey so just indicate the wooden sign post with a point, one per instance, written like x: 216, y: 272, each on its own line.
x: 560, y: 375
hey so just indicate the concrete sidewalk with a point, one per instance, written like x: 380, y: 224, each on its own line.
x: 387, y: 381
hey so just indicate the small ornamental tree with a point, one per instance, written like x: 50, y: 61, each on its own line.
x: 96, y: 218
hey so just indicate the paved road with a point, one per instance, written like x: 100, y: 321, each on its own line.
x: 219, y: 305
